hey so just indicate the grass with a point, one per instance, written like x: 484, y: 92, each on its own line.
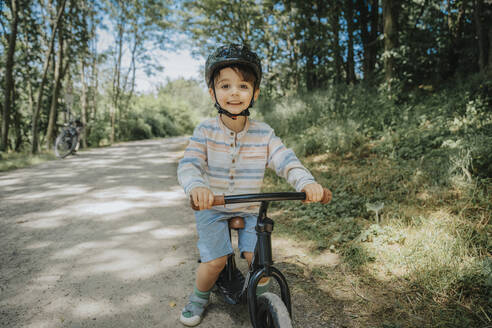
x: 427, y: 264
x: 12, y: 161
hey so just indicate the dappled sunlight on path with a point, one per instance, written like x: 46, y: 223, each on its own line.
x: 107, y: 239
x: 101, y: 239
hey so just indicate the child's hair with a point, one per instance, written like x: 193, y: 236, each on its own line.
x: 244, y: 71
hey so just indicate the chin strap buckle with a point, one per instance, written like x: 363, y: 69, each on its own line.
x: 233, y: 116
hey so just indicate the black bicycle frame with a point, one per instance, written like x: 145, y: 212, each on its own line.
x: 262, y: 264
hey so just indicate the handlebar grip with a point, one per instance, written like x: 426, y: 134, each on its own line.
x: 218, y: 200
x: 327, y: 195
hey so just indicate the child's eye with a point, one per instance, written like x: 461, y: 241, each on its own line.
x: 244, y: 86
x: 224, y: 86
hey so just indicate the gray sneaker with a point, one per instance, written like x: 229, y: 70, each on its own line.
x: 192, y: 313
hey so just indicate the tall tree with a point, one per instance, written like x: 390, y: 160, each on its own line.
x: 482, y: 15
x: 9, y: 86
x: 58, y: 64
x: 390, y: 29
x: 349, y: 18
x: 368, y: 21
x: 335, y: 24
x: 137, y: 24
x: 35, y: 116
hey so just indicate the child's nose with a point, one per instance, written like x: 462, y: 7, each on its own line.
x: 235, y: 90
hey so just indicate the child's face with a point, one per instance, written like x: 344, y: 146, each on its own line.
x: 233, y: 93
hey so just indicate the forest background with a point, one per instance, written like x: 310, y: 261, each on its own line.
x: 387, y: 102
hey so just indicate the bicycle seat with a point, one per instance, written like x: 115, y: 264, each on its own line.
x: 236, y: 222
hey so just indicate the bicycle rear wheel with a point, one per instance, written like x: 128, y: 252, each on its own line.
x: 65, y: 143
x: 271, y: 312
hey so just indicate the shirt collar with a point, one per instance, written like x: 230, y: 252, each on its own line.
x: 229, y: 131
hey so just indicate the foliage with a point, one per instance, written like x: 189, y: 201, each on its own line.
x: 442, y: 134
x: 12, y: 161
x: 100, y: 133
x: 427, y: 157
x: 170, y: 112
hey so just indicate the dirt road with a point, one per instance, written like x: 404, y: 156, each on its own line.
x: 104, y: 239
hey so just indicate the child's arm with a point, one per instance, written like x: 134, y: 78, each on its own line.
x: 192, y: 166
x: 286, y: 164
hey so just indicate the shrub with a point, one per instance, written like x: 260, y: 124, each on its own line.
x: 135, y: 129
x: 100, y: 132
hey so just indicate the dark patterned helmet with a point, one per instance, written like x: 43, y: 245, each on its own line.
x: 232, y: 54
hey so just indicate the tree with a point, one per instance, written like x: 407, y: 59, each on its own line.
x: 136, y: 24
x: 368, y: 22
x: 349, y: 18
x: 9, y: 86
x: 35, y: 116
x: 59, y: 72
x: 482, y: 15
x: 390, y: 21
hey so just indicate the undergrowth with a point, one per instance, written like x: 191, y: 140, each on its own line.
x: 12, y: 161
x: 428, y: 164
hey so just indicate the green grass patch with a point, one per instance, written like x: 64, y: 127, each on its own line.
x: 430, y: 254
x: 12, y: 161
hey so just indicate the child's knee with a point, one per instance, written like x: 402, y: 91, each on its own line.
x: 217, y: 264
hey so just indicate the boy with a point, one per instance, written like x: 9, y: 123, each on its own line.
x: 228, y: 155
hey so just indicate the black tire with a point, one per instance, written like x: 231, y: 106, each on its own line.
x: 271, y: 312
x: 65, y: 144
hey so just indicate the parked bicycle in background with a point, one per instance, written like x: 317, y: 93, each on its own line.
x: 67, y: 141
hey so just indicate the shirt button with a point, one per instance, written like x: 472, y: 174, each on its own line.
x: 233, y: 160
x: 232, y: 145
x: 232, y: 133
x: 231, y: 177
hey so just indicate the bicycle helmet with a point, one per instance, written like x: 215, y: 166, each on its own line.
x: 228, y: 55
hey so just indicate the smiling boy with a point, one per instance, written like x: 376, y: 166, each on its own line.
x: 228, y: 154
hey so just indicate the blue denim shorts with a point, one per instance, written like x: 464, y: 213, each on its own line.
x: 213, y: 233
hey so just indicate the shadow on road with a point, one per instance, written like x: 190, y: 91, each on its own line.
x: 102, y: 239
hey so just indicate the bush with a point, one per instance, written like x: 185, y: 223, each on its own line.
x: 135, y: 128
x: 100, y: 132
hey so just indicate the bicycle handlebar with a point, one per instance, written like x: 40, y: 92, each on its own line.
x: 251, y: 198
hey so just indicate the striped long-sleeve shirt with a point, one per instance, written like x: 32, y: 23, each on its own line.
x: 233, y: 163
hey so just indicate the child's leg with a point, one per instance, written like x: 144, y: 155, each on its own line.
x: 249, y: 258
x: 214, y: 245
x: 208, y: 273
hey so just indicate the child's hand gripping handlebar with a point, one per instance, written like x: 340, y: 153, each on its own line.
x: 250, y: 198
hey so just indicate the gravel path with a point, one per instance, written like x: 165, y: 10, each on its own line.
x: 103, y: 239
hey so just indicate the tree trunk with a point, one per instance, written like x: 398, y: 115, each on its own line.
x: 489, y: 65
x: 17, y: 124
x: 84, y: 101
x: 335, y: 22
x: 95, y: 86
x: 373, y: 36
x: 131, y: 69
x: 455, y: 30
x: 116, y: 81
x: 9, y: 78
x: 390, y: 28
x: 363, y: 23
x: 35, y: 133
x: 53, y: 116
x: 477, y: 13
x: 349, y: 12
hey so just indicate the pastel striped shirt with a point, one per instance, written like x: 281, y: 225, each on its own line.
x: 233, y: 163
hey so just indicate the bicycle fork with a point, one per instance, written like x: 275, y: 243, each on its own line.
x: 262, y: 265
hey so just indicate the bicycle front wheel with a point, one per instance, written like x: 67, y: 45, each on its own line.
x: 65, y: 144
x: 272, y: 312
